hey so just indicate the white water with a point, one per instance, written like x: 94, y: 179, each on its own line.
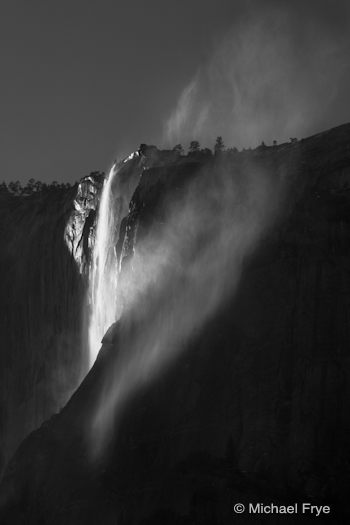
x: 104, y: 270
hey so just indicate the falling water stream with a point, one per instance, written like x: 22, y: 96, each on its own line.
x: 103, y: 273
x: 116, y: 193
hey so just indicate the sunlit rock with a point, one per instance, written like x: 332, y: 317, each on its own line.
x: 79, y: 232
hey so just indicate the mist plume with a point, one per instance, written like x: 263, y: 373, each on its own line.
x: 273, y: 76
x: 185, y: 266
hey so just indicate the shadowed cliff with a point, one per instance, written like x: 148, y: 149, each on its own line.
x: 255, y: 409
x: 41, y: 316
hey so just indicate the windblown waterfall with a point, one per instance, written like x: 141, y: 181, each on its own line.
x: 104, y: 270
x: 117, y: 191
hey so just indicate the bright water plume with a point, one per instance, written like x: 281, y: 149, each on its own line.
x: 182, y: 270
x: 105, y: 303
x: 103, y: 272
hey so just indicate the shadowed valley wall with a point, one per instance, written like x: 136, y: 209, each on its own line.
x: 256, y: 408
x: 41, y: 313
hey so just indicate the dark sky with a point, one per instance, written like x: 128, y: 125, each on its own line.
x: 83, y: 81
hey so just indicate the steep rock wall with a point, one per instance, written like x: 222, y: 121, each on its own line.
x: 41, y: 357
x: 256, y: 409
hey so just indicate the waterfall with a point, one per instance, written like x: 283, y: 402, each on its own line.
x: 117, y: 191
x: 104, y: 269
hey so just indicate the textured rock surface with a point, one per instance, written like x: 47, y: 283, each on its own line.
x: 46, y: 245
x: 40, y: 324
x: 256, y: 409
x: 79, y: 229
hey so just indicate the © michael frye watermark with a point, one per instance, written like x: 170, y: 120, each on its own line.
x: 272, y: 508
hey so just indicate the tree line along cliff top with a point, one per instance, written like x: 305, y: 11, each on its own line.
x: 328, y: 141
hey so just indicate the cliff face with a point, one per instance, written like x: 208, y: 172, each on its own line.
x: 46, y: 248
x: 40, y: 323
x: 257, y: 406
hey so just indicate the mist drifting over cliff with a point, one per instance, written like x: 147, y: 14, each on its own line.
x: 183, y: 267
x: 227, y: 369
x: 272, y: 76
x: 276, y: 74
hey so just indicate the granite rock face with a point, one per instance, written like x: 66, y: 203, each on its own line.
x: 256, y: 408
x: 79, y: 231
x: 47, y: 240
x: 41, y: 318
